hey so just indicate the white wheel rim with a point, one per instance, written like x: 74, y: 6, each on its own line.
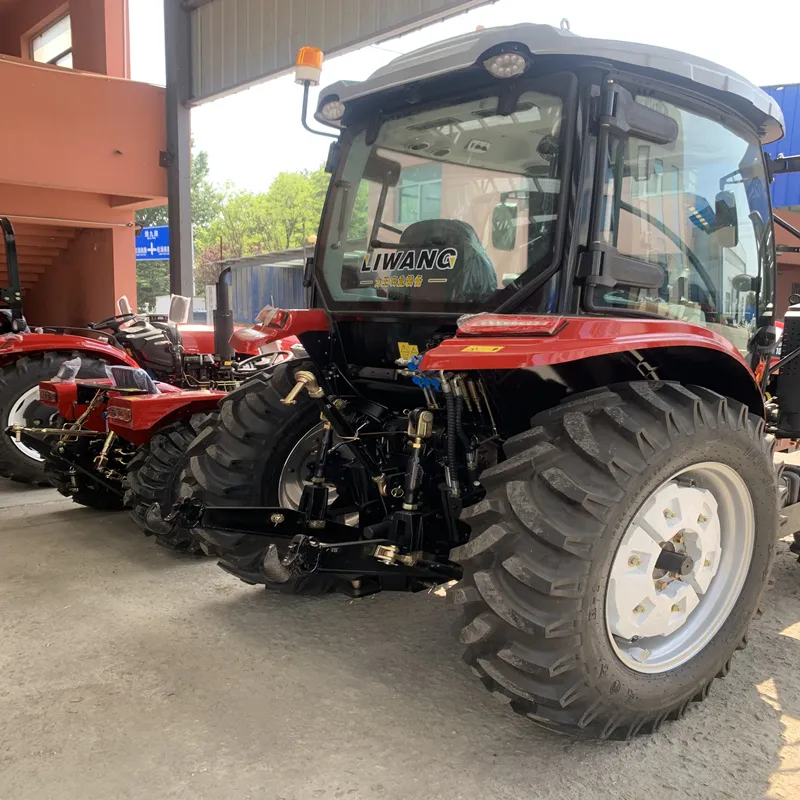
x: 655, y: 620
x: 16, y: 416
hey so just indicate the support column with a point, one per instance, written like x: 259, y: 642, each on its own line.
x: 179, y: 150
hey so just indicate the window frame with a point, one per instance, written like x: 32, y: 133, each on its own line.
x: 590, y: 268
x: 568, y: 84
x: 49, y: 22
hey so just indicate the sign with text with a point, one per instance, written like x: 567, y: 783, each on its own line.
x: 152, y: 244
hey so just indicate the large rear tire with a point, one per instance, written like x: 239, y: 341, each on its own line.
x: 549, y: 581
x: 19, y: 404
x: 238, y: 460
x: 154, y: 475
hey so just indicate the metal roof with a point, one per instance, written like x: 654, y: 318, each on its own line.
x: 786, y: 188
x: 463, y: 51
x: 236, y: 43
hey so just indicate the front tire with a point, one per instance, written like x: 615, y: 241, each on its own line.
x: 19, y: 404
x: 154, y: 474
x: 542, y: 572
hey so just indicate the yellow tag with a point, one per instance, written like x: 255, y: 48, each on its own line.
x: 407, y: 350
x: 480, y: 348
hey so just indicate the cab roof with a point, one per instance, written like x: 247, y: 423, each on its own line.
x: 464, y: 51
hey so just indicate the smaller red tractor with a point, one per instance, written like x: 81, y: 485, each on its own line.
x: 185, y: 355
x: 119, y: 441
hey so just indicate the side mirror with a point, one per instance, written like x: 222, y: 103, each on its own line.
x: 794, y: 299
x: 744, y: 283
x: 633, y: 119
x: 504, y: 226
x: 179, y: 309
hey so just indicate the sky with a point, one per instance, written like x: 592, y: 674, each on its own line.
x: 253, y: 135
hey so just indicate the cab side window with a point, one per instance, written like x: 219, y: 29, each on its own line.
x: 698, y: 209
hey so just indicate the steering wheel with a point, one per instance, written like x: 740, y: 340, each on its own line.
x: 112, y: 323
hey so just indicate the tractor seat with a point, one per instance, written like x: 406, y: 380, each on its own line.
x: 472, y: 278
x: 171, y: 330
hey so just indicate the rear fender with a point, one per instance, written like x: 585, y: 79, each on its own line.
x: 13, y: 347
x: 686, y: 352
x: 137, y: 418
x: 72, y: 399
x: 197, y: 339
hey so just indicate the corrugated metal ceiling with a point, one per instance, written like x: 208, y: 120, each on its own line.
x: 786, y: 188
x: 236, y: 43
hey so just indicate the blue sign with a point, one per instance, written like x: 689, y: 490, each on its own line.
x: 152, y: 244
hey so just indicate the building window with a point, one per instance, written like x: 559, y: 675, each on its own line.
x: 54, y: 44
x: 419, y: 193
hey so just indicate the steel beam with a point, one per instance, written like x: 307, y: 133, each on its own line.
x: 178, y: 157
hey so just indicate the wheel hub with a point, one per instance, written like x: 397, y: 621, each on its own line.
x: 677, y: 572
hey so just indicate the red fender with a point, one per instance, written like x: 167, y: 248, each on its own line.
x: 564, y: 339
x: 281, y: 325
x: 13, y: 346
x: 137, y: 417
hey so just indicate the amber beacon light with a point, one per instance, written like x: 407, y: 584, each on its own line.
x: 308, y: 66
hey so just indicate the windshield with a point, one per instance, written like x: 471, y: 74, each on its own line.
x: 445, y: 209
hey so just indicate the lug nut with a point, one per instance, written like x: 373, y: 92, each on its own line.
x: 675, y: 607
x: 706, y: 563
x: 702, y: 519
x: 634, y: 561
x: 640, y: 609
x: 669, y: 513
x: 276, y: 519
x: 661, y: 585
x: 678, y: 538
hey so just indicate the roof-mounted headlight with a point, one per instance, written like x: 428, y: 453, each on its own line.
x: 506, y: 65
x: 332, y: 109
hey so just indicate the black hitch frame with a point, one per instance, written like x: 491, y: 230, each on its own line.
x: 54, y: 453
x: 312, y: 545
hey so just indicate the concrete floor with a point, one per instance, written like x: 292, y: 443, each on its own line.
x: 129, y: 672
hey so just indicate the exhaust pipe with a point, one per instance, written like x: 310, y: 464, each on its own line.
x: 12, y: 296
x: 223, y: 318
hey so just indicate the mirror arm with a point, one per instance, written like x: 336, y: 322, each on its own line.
x: 781, y: 164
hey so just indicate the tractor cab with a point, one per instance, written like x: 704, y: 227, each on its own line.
x: 556, y: 175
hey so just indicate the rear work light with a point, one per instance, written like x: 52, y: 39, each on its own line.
x: 119, y: 414
x: 508, y: 325
x: 506, y: 65
x: 333, y: 109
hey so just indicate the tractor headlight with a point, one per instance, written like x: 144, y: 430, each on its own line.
x: 332, y: 110
x: 506, y: 65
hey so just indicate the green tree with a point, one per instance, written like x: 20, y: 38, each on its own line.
x: 152, y: 279
x: 248, y: 223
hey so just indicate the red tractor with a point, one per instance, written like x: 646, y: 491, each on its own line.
x: 185, y: 355
x: 541, y: 289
